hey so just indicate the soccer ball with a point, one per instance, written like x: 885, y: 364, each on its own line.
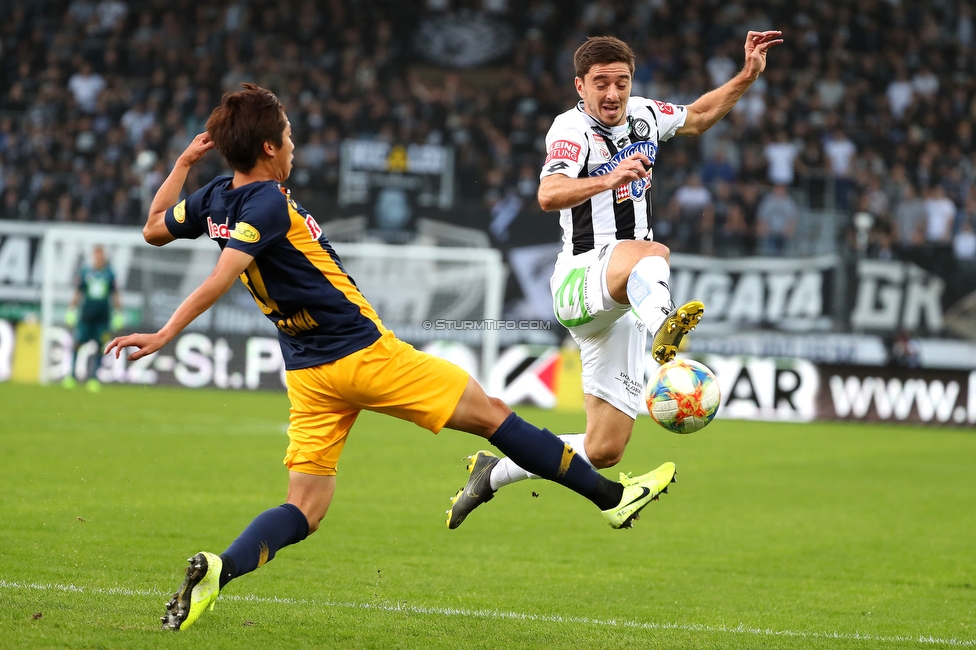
x: 683, y: 396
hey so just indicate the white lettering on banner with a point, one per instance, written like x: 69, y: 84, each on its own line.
x: 6, y: 349
x: 61, y: 345
x: 972, y: 398
x: 891, y: 295
x: 193, y: 365
x: 262, y: 355
x: 15, y: 260
x: 893, y: 398
x: 782, y: 293
x: 222, y: 354
x: 141, y: 370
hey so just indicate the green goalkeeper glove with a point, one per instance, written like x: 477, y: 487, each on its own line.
x: 71, y: 317
x: 118, y: 321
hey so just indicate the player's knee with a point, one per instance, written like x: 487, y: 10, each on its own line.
x: 313, y: 524
x: 605, y: 455
x: 657, y: 249
x: 496, y: 413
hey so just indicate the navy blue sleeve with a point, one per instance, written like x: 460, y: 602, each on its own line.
x: 183, y: 219
x: 264, y: 220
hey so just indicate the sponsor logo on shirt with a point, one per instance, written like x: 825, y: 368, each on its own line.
x: 179, y: 212
x: 245, y: 232
x: 313, y: 228
x: 633, y: 190
x: 217, y: 230
x: 665, y: 108
x: 565, y: 150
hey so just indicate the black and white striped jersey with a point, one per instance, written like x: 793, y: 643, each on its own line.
x: 579, y: 146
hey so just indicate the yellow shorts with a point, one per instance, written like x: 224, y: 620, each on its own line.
x: 389, y: 376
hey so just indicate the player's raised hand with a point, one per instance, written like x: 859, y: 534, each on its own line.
x: 757, y: 44
x: 195, y: 150
x: 630, y: 169
x: 146, y: 344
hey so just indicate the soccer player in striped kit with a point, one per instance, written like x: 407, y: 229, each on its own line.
x: 610, y: 284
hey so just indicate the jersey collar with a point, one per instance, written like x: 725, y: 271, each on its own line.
x: 612, y: 132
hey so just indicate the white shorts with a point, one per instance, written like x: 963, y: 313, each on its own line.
x: 611, y: 337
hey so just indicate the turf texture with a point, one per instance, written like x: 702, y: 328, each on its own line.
x: 776, y: 535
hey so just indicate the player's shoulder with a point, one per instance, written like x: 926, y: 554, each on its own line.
x: 216, y: 185
x: 571, y: 120
x: 655, y: 106
x: 261, y: 195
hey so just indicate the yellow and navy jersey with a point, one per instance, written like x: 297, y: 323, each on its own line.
x: 296, y: 277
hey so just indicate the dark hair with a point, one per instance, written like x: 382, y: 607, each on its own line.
x: 602, y: 49
x: 243, y: 122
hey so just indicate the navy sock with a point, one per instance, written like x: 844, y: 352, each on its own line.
x: 270, y: 531
x: 540, y: 452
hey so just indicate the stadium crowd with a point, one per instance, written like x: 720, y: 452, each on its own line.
x: 868, y: 107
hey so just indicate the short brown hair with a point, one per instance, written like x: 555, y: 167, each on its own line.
x: 243, y: 122
x: 602, y: 49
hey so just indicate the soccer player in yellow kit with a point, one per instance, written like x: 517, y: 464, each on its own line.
x: 339, y: 359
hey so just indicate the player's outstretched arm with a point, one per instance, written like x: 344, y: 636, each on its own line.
x: 714, y: 105
x: 155, y: 231
x: 229, y: 267
x: 557, y: 192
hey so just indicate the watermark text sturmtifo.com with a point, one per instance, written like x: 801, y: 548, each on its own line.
x: 487, y: 324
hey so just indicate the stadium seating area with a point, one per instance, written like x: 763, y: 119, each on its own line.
x: 867, y: 107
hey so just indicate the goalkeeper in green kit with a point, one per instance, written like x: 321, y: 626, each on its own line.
x: 91, y: 315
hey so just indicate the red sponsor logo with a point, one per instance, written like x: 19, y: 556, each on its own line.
x: 667, y: 109
x: 313, y: 228
x: 564, y: 150
x: 217, y: 230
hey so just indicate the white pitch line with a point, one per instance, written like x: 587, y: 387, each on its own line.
x: 519, y: 616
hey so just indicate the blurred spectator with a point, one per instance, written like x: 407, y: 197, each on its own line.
x: 840, y: 152
x: 905, y: 350
x: 900, y: 92
x: 717, y: 168
x: 86, y: 85
x: 964, y: 242
x: 688, y: 212
x: 780, y: 155
x: 910, y: 218
x: 940, y: 213
x: 775, y: 220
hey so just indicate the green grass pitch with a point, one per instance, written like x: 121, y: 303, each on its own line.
x: 775, y: 536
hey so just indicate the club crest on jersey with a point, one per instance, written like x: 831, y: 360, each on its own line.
x: 217, y: 230
x: 640, y: 128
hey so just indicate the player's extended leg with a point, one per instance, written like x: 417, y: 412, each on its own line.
x: 612, y: 360
x: 638, y: 274
x: 608, y: 431
x: 542, y: 453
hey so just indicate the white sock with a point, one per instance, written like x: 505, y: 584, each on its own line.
x: 507, y: 472
x: 649, y: 292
